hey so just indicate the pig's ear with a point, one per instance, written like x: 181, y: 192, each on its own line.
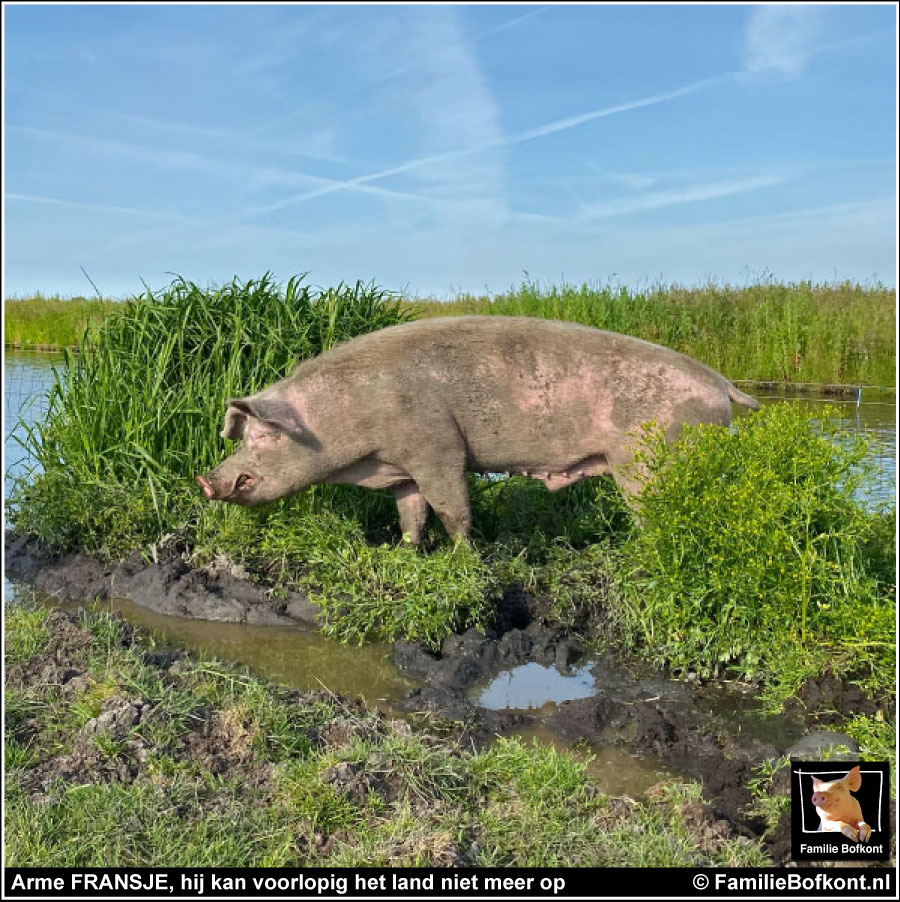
x: 854, y: 779
x: 273, y: 412
x: 235, y: 422
x: 816, y: 783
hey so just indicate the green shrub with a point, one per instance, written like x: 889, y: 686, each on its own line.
x: 754, y: 555
x: 381, y: 591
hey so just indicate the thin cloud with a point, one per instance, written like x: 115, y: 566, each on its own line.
x: 689, y: 195
x: 873, y: 206
x: 262, y: 176
x: 83, y: 205
x: 314, y: 146
x: 635, y: 180
x: 511, y: 23
x: 388, y: 76
x: 549, y: 128
x: 560, y: 125
x: 781, y: 38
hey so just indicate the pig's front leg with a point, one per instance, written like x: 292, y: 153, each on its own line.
x: 413, y: 509
x: 859, y: 833
x: 447, y: 492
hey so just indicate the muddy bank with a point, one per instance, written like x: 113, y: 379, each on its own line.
x: 703, y: 732
x: 168, y: 585
x: 685, y: 726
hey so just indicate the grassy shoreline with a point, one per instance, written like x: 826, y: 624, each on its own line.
x: 769, y: 332
x: 727, y: 588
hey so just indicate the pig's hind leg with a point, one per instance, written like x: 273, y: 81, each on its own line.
x: 413, y: 509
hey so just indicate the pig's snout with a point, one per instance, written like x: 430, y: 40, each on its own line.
x: 206, y: 485
x: 820, y: 799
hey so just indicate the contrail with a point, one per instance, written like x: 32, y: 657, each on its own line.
x: 557, y: 125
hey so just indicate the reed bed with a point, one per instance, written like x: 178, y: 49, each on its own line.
x: 132, y: 420
x: 844, y: 333
x: 42, y: 323
x: 768, y: 332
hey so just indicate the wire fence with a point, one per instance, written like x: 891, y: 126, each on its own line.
x: 866, y: 410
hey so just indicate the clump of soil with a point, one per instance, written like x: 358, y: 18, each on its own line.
x: 828, y: 699
x: 60, y: 664
x: 106, y: 749
x: 167, y: 585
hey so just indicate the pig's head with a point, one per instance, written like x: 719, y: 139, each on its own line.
x: 277, y: 456
x: 832, y: 796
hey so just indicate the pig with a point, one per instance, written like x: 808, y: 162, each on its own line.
x: 413, y: 407
x: 838, y: 810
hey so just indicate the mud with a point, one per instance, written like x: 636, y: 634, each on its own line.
x: 167, y: 585
x: 702, y: 732
x: 645, y: 714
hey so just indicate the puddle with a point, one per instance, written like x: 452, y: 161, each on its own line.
x: 738, y: 707
x: 291, y: 655
x: 613, y: 771
x: 534, y: 685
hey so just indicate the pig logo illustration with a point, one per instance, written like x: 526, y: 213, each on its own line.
x: 839, y: 811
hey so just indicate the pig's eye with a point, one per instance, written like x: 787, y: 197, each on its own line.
x: 242, y: 480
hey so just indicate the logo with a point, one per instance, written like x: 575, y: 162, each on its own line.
x: 839, y: 811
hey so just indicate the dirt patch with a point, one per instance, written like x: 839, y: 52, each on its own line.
x: 828, y: 699
x: 106, y: 749
x: 647, y: 714
x: 168, y: 585
x: 61, y: 664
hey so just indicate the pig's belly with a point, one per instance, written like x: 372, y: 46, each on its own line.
x: 555, y: 450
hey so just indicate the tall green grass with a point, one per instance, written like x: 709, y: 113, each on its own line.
x: 770, y: 331
x: 842, y: 333
x: 43, y: 323
x: 135, y: 417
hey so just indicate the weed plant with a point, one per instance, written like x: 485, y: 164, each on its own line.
x: 755, y: 558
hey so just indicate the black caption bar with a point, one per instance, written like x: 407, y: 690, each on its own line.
x: 458, y: 883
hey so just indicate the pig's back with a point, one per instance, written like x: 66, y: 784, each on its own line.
x: 474, y: 349
x: 522, y: 390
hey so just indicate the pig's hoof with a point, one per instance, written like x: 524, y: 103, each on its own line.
x: 865, y: 831
x: 850, y: 832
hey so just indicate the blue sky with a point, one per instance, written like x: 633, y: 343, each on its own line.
x: 439, y: 149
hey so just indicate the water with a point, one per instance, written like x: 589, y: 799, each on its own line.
x: 27, y: 377
x: 875, y: 418
x: 534, y: 685
x: 290, y: 655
